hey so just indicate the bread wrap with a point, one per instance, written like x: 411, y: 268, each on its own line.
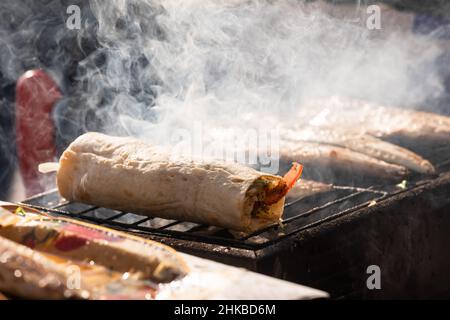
x: 128, y: 175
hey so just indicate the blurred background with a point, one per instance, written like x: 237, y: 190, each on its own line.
x: 34, y: 35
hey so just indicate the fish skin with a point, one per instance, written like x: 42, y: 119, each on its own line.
x: 330, y: 163
x: 362, y: 143
x: 410, y: 126
x: 305, y: 188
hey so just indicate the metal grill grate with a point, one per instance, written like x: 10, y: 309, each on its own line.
x: 298, y: 215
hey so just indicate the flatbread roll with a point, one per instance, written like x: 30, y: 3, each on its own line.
x: 127, y: 174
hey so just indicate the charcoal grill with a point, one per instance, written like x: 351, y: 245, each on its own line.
x: 326, y: 241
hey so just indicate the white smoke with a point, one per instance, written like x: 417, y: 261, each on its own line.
x: 238, y: 63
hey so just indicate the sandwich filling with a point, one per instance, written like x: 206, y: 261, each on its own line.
x: 268, y: 190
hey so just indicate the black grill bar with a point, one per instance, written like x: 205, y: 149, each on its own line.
x: 313, y: 210
x: 299, y: 214
x: 140, y: 221
x: 116, y: 216
x: 170, y: 225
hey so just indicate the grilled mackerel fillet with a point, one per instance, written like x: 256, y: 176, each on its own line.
x: 362, y: 143
x: 330, y: 163
x: 306, y: 188
x: 408, y: 127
